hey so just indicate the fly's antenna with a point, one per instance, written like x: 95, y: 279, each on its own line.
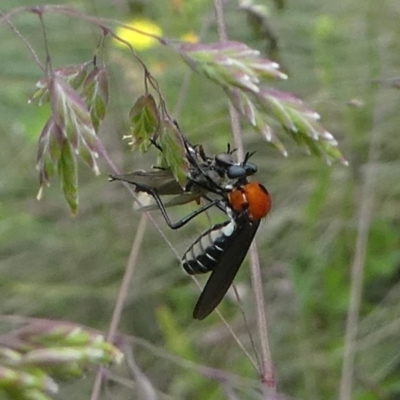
x: 229, y: 150
x: 247, y: 157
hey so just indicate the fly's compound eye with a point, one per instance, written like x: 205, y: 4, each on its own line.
x: 224, y: 159
x: 241, y: 171
x: 250, y: 168
x: 236, y: 172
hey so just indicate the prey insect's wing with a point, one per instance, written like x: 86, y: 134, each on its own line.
x: 164, y: 183
x: 178, y: 200
x: 161, y: 180
x: 222, y: 276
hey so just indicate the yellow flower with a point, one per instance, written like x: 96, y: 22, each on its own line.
x: 138, y: 40
x: 190, y: 37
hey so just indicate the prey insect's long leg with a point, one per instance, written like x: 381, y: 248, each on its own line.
x: 218, y: 204
x: 184, y: 220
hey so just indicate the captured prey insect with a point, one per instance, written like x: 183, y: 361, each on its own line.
x: 207, y: 175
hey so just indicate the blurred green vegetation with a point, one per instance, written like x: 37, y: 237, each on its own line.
x: 340, y: 57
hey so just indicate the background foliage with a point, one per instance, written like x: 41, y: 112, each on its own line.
x: 342, y: 59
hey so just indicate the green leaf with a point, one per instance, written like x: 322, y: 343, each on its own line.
x: 49, y: 152
x: 74, y: 75
x: 72, y: 117
x: 275, y: 108
x: 230, y: 64
x: 242, y: 73
x: 300, y: 122
x: 67, y: 168
x: 173, y: 154
x: 144, y: 122
x: 259, y: 120
x: 95, y: 93
x: 70, y: 112
x: 35, y: 355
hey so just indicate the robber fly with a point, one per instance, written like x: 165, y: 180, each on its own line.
x: 222, y: 248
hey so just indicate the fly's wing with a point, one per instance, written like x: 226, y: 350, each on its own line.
x: 222, y: 276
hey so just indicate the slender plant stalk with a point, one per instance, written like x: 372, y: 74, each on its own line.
x: 267, y: 371
x: 125, y: 286
x: 363, y: 226
x: 24, y: 40
x: 122, y: 295
x: 145, y: 388
x: 357, y: 275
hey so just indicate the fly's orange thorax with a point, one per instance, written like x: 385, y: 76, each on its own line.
x: 252, y: 197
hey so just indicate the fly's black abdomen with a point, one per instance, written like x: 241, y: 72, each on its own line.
x: 206, y: 251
